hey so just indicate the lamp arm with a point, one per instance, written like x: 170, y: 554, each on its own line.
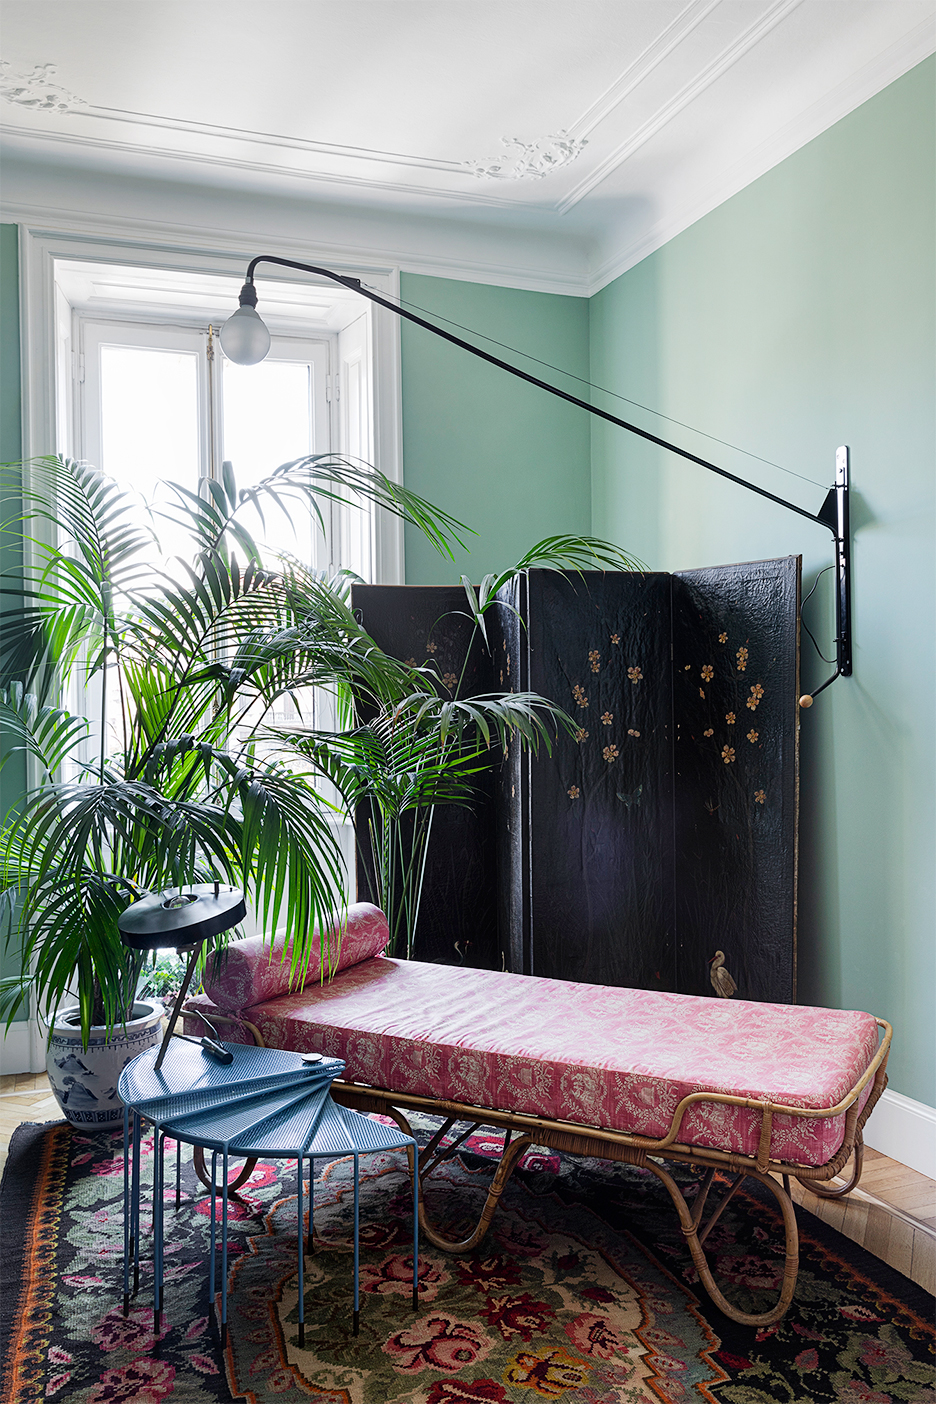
x: 356, y: 285
x: 834, y: 513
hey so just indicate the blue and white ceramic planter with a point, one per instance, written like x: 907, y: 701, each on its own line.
x: 85, y: 1080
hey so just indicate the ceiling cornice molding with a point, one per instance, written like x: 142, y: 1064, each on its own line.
x: 267, y: 168
x: 520, y: 160
x: 168, y: 237
x: 664, y: 114
x: 397, y: 249
x: 654, y: 54
x: 916, y: 46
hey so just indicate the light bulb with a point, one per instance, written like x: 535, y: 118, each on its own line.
x: 244, y: 337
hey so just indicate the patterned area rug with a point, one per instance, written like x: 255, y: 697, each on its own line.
x: 582, y: 1293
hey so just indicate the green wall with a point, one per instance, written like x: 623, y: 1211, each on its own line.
x: 499, y: 455
x: 798, y: 316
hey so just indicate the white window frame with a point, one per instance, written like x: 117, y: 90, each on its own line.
x: 47, y: 356
x: 47, y: 413
x: 92, y: 332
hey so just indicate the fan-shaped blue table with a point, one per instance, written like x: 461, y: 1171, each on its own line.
x: 266, y: 1102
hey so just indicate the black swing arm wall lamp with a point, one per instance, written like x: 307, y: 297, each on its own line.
x: 246, y: 340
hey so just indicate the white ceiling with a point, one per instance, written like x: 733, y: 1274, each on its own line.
x: 613, y: 123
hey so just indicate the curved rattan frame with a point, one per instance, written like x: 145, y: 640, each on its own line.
x: 522, y: 1131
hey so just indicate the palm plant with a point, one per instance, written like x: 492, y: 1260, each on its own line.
x: 398, y: 766
x: 394, y: 768
x: 180, y: 669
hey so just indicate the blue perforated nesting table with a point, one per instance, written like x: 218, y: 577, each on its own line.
x: 267, y: 1102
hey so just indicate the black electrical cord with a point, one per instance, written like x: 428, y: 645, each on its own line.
x: 803, y: 619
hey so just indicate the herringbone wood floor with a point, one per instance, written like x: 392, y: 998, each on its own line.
x: 892, y: 1213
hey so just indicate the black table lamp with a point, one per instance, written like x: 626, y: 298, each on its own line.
x: 185, y: 919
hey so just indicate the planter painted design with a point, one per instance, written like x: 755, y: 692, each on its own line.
x: 85, y: 1080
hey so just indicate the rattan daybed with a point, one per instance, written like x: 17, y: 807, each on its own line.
x: 736, y: 1088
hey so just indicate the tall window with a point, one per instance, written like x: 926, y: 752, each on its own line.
x: 163, y: 403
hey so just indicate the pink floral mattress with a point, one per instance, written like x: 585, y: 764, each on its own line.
x: 616, y: 1058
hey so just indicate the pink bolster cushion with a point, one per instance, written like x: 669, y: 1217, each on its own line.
x: 254, y: 970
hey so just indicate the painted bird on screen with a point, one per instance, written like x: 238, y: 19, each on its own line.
x: 722, y: 983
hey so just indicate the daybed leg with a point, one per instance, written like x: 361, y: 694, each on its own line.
x: 245, y: 1172
x: 504, y: 1170
x: 690, y: 1228
x: 835, y: 1192
x: 407, y: 1130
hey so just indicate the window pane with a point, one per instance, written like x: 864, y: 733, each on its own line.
x: 149, y: 427
x: 268, y: 421
x: 150, y: 416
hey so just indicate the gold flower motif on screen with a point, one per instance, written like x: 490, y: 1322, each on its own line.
x: 757, y: 693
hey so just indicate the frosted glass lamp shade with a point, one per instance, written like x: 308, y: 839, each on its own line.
x: 244, y: 337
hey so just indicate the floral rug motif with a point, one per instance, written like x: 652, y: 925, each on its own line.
x: 582, y: 1292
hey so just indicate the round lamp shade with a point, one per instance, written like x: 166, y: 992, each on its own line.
x: 244, y: 337
x: 181, y: 916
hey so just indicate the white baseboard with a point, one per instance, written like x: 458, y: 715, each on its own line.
x: 905, y: 1130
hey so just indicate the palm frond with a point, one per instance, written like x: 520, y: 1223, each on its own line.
x: 576, y: 553
x: 49, y: 734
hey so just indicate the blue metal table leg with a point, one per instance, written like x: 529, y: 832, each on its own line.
x: 357, y: 1313
x: 159, y: 1147
x: 415, y: 1226
x: 126, y: 1208
x: 211, y: 1251
x: 310, y: 1245
x: 224, y: 1247
x: 178, y: 1174
x: 299, y: 1259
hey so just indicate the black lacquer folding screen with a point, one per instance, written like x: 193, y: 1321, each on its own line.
x: 458, y: 913
x: 736, y: 783
x: 666, y: 827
